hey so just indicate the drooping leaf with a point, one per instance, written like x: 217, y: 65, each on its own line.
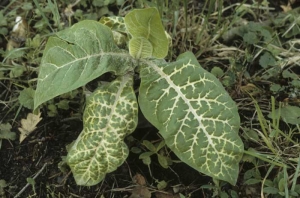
x: 194, y: 114
x: 140, y: 47
x: 146, y: 23
x: 75, y: 57
x: 110, y: 115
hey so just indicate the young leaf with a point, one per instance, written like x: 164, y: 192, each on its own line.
x: 140, y: 47
x: 75, y: 57
x: 161, y: 185
x: 267, y: 60
x: 194, y: 114
x: 5, y: 132
x: 162, y: 161
x: 146, y: 23
x: 110, y: 115
x: 146, y: 155
x: 160, y: 145
x: 149, y: 146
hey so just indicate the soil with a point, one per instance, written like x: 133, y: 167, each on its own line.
x: 42, y: 151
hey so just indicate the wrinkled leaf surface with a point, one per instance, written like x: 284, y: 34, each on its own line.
x: 110, y: 115
x: 195, y: 115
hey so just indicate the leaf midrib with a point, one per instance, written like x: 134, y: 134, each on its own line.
x: 182, y: 96
x: 122, y: 54
x: 113, y: 108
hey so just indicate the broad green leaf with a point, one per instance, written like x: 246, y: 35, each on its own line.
x: 75, y: 57
x: 146, y: 23
x: 140, y: 47
x: 195, y: 115
x: 110, y: 115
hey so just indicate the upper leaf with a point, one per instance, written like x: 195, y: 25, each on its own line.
x: 146, y: 23
x: 110, y: 114
x: 78, y: 55
x: 195, y: 115
x: 140, y: 47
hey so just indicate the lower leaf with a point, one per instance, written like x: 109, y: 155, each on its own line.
x: 110, y: 114
x: 194, y: 114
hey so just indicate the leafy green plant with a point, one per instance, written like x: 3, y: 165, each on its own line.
x: 276, y: 144
x: 163, y: 160
x: 188, y: 105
